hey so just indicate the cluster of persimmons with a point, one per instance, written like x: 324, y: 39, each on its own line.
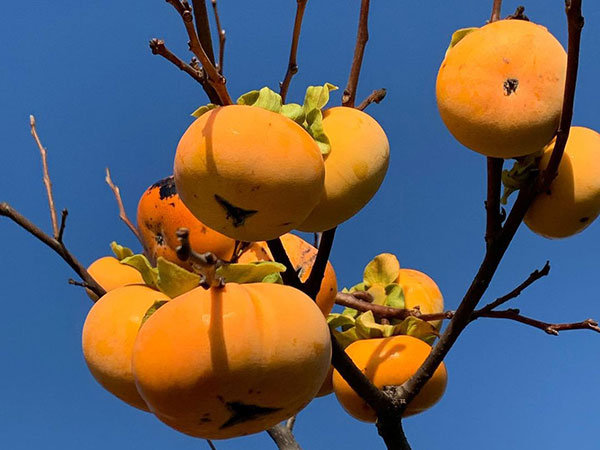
x: 220, y: 347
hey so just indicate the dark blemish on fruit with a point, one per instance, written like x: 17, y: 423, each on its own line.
x: 159, y: 238
x: 166, y: 187
x: 205, y: 420
x: 250, y: 391
x: 237, y: 215
x: 510, y: 86
x: 172, y: 204
x: 285, y: 224
x: 548, y: 192
x: 584, y: 219
x: 241, y: 412
x: 255, y: 188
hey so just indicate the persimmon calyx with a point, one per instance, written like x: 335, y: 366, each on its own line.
x: 523, y: 171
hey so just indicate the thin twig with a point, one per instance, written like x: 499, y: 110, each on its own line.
x: 122, y: 213
x: 550, y: 328
x: 492, y: 204
x: 211, y: 445
x: 222, y: 37
x: 533, y: 277
x: 216, y: 80
x: 292, y: 67
x: 313, y: 284
x: 291, y: 422
x: 362, y: 36
x: 47, y: 181
x: 375, y: 97
x: 203, y: 28
x: 290, y: 276
x: 8, y: 211
x: 283, y: 437
x: 158, y: 47
x: 63, y: 223
x: 496, y: 10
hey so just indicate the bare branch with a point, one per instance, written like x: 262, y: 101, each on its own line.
x: 362, y: 36
x: 203, y: 28
x: 63, y: 223
x: 7, y: 211
x: 496, y: 10
x: 122, y: 213
x: 313, y: 283
x: 492, y: 204
x: 533, y: 277
x: 375, y: 97
x: 290, y: 276
x: 211, y: 445
x: 47, y: 181
x: 292, y: 68
x: 283, y: 437
x: 222, y: 37
x: 550, y: 328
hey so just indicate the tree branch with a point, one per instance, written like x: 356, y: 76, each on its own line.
x: 362, y: 36
x: 313, y: 284
x: 550, y: 328
x: 47, y: 181
x: 7, y: 211
x: 375, y: 97
x: 283, y: 437
x: 203, y: 28
x: 222, y: 37
x: 292, y: 68
x: 496, y: 10
x: 122, y: 212
x: 492, y: 204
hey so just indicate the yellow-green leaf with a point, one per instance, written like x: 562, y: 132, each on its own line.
x: 415, y: 327
x: 314, y: 126
x: 316, y: 97
x: 335, y: 320
x: 383, y: 270
x: 273, y: 278
x: 345, y: 338
x: 367, y: 328
x: 394, y: 296
x: 253, y: 272
x: 458, y: 35
x: 294, y: 111
x: 378, y: 293
x: 264, y: 98
x: 174, y: 280
x: 204, y: 109
x: 141, y: 263
x: 120, y: 251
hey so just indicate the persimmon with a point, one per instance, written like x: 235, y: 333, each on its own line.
x: 110, y: 274
x: 229, y: 361
x: 354, y: 168
x: 572, y: 202
x: 500, y: 88
x: 161, y: 213
x: 389, y: 362
x: 302, y: 256
x: 108, y: 336
x: 248, y: 173
x: 420, y: 290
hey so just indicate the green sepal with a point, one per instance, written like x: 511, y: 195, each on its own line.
x: 264, y: 98
x: 141, y: 263
x: 335, y: 320
x: 204, y: 109
x: 458, y: 35
x: 174, y: 280
x: 358, y: 287
x: 378, y: 294
x: 522, y: 173
x: 351, y: 312
x: 120, y: 251
x: 295, y: 112
x: 314, y: 126
x: 394, y: 296
x: 273, y: 278
x: 368, y: 328
x: 316, y: 97
x: 345, y: 338
x: 415, y: 327
x: 253, y: 272
x: 382, y: 270
x: 157, y: 304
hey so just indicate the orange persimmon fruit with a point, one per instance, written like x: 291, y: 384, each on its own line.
x: 354, y: 168
x: 229, y: 361
x: 110, y: 274
x: 161, y: 213
x: 389, y: 362
x: 248, y: 173
x: 420, y: 290
x: 500, y: 88
x: 572, y: 202
x: 302, y: 256
x: 108, y: 336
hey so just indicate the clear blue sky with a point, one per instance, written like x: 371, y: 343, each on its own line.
x: 101, y: 99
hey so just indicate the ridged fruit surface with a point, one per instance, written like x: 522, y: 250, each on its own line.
x: 572, y: 202
x: 354, y: 168
x: 500, y: 88
x: 108, y: 336
x: 231, y: 361
x: 389, y: 362
x: 248, y: 173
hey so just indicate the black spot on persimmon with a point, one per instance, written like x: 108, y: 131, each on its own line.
x: 237, y: 215
x: 241, y: 412
x: 159, y: 238
x: 166, y: 187
x: 584, y: 219
x: 510, y: 86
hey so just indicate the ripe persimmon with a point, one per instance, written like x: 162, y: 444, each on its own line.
x: 354, y: 168
x: 229, y: 361
x: 420, y: 290
x: 248, y: 173
x: 572, y: 202
x: 110, y: 274
x: 302, y: 256
x: 500, y: 88
x: 108, y: 335
x: 161, y: 213
x: 389, y: 362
